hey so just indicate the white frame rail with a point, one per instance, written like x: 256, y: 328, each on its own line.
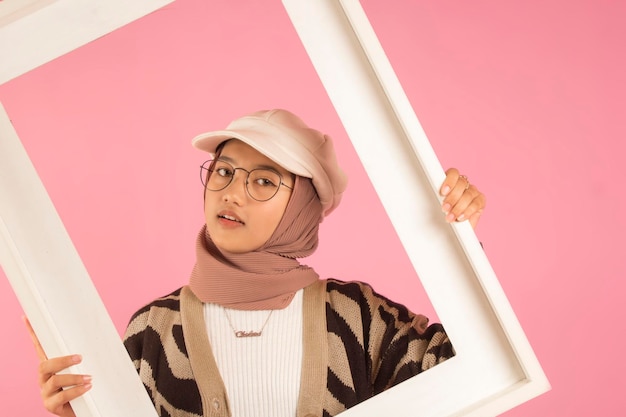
x: 55, y: 291
x: 495, y: 368
x: 33, y: 32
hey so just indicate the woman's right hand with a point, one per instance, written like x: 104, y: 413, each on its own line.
x: 57, y: 390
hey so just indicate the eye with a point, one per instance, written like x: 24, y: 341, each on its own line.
x: 223, y: 171
x: 263, y: 178
x: 265, y: 182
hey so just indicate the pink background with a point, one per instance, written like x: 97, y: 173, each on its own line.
x: 527, y: 98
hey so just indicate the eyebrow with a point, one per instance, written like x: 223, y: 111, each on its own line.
x: 270, y: 167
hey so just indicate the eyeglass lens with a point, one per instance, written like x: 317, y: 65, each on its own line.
x: 261, y: 184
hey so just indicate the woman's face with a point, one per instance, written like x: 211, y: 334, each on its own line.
x: 236, y: 222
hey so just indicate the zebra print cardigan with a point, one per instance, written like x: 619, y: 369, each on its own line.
x: 356, y: 344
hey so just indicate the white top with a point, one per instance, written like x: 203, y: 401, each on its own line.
x: 261, y: 374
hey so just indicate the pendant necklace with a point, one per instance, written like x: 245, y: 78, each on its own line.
x: 247, y: 333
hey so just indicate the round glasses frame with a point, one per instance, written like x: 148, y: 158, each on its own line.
x: 207, y: 169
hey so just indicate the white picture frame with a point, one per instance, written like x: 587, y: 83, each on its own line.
x: 495, y: 368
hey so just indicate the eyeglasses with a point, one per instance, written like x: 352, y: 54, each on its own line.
x: 261, y: 184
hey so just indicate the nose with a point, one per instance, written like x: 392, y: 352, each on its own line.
x: 236, y: 190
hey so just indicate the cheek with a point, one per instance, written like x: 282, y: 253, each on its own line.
x: 209, y: 200
x: 273, y: 214
x: 269, y: 219
x: 281, y: 207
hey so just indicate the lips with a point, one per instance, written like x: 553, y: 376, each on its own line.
x: 229, y: 216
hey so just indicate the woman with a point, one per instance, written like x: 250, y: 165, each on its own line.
x: 256, y: 333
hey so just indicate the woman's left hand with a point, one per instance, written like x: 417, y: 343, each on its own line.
x: 462, y: 200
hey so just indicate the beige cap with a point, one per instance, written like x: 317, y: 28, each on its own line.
x: 287, y: 140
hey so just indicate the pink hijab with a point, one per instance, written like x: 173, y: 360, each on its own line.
x: 267, y: 278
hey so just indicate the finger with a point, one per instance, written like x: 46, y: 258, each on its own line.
x: 452, y: 176
x: 57, y: 383
x: 464, y: 210
x: 459, y: 189
x: 458, y: 208
x: 471, y: 211
x: 58, y: 389
x: 33, y: 337
x: 462, y: 200
x: 474, y: 218
x: 59, y: 403
x: 64, y: 382
x: 50, y: 367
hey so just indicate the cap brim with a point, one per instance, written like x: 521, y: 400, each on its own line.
x: 209, y: 142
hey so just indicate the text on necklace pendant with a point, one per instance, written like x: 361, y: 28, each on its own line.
x: 242, y: 333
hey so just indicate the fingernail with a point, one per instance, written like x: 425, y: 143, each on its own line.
x: 87, y: 378
x: 450, y: 218
x: 446, y: 208
x: 76, y: 358
x: 460, y: 218
x: 445, y: 190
